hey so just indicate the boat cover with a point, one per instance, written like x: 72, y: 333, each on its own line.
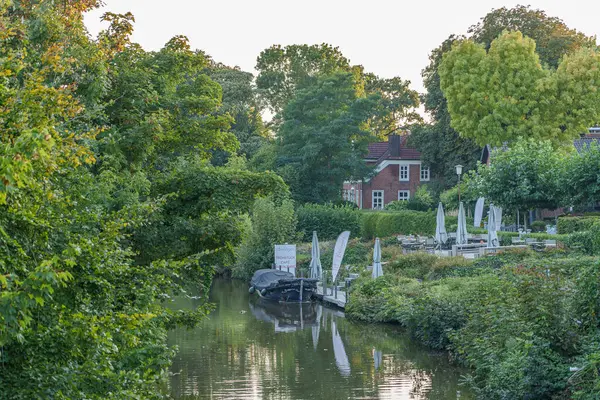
x: 264, y: 278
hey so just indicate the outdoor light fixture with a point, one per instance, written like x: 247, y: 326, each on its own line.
x: 459, y: 173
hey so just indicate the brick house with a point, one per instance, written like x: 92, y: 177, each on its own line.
x: 398, y: 174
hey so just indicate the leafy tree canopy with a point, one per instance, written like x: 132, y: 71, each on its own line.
x: 526, y: 176
x: 506, y: 94
x: 322, y: 140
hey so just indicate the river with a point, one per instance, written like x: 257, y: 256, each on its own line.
x: 251, y: 349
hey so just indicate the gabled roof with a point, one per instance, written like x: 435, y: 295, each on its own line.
x: 377, y: 150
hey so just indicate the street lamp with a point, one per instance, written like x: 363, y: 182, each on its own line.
x: 459, y: 173
x: 352, y: 197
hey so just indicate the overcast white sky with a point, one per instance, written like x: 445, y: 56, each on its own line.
x: 390, y: 38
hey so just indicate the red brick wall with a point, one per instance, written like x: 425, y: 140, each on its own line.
x: 388, y: 180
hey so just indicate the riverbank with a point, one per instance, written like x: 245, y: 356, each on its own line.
x: 522, y: 321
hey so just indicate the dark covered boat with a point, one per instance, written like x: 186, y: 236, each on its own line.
x: 282, y: 286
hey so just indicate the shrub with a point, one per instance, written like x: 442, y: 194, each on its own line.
x: 271, y: 224
x: 568, y: 225
x: 396, y: 205
x: 328, y: 220
x: 587, y: 242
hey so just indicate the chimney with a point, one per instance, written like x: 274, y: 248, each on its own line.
x: 394, y: 142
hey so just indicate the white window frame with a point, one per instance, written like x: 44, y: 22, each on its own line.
x: 406, y: 192
x: 425, y: 173
x: 407, y: 178
x: 378, y: 197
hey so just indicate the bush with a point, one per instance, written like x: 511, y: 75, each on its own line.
x: 271, y: 224
x: 588, y: 242
x: 568, y: 225
x: 397, y: 205
x: 328, y: 220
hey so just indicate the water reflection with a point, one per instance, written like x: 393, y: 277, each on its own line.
x: 254, y: 350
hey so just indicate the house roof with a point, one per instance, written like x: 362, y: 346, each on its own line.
x: 381, y: 151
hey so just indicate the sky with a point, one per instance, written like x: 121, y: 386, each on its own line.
x: 389, y: 38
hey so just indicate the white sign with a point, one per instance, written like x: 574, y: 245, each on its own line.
x: 285, y: 257
x: 338, y: 253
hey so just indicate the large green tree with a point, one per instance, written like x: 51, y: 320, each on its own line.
x: 440, y: 145
x: 322, y: 140
x: 282, y: 70
x: 526, y: 176
x: 505, y: 94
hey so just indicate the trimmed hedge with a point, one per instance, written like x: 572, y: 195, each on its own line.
x: 405, y: 222
x: 329, y: 221
x: 568, y: 225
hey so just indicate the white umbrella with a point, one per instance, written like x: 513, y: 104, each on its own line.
x: 316, y: 271
x: 461, y: 230
x: 377, y: 271
x: 440, y: 228
x: 492, y: 239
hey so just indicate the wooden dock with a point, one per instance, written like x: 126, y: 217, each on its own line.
x: 332, y: 297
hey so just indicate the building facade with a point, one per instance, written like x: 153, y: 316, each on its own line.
x: 397, y: 175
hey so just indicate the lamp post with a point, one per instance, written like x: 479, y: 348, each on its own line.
x: 352, y: 193
x: 459, y: 173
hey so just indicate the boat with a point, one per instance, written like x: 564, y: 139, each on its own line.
x: 282, y: 286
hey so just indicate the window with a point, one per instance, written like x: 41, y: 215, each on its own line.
x: 403, y: 194
x: 377, y: 199
x: 404, y: 172
x: 424, y: 173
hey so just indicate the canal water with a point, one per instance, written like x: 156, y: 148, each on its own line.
x: 251, y: 349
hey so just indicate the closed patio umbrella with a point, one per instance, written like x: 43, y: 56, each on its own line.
x: 492, y: 238
x: 441, y: 237
x: 461, y: 230
x: 377, y: 271
x: 316, y: 271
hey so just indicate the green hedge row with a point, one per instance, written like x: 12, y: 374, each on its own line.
x: 405, y: 222
x: 329, y: 221
x: 575, y: 224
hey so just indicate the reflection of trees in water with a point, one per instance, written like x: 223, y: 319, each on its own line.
x: 235, y: 350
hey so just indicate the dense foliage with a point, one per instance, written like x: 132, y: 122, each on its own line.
x: 519, y: 320
x: 440, y: 145
x: 505, y: 94
x: 272, y: 222
x: 108, y: 204
x: 328, y: 220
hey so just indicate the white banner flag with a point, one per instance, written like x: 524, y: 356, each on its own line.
x: 338, y: 253
x: 478, y: 212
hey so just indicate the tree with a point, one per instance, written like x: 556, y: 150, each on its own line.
x: 581, y: 179
x: 241, y: 102
x: 322, y: 140
x: 553, y: 38
x: 440, y: 145
x: 283, y: 70
x: 505, y: 94
x: 526, y: 176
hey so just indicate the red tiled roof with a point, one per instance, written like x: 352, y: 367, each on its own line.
x: 376, y: 150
